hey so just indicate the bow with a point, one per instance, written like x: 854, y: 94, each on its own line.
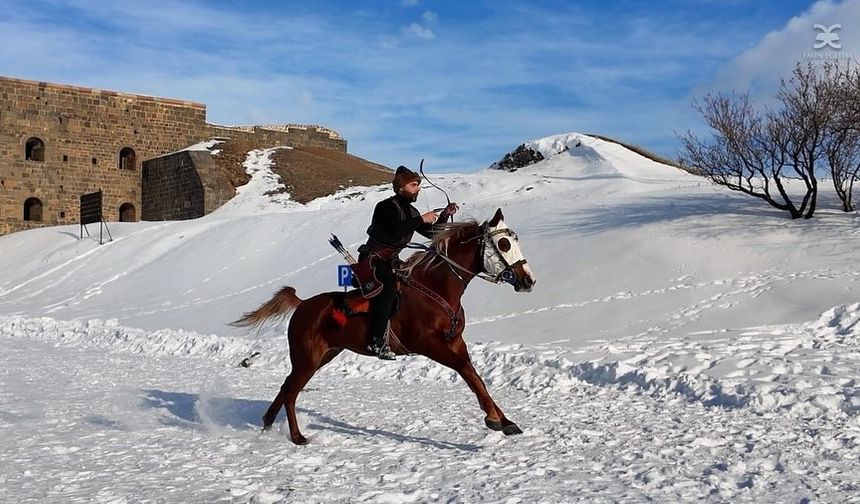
x: 423, y: 175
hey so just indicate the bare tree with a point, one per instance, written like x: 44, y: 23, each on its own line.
x: 842, y: 146
x: 843, y: 156
x: 757, y: 153
x: 850, y: 92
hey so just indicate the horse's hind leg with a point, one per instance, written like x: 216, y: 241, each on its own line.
x: 295, y: 382
x: 272, y: 413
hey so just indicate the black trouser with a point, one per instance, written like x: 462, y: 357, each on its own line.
x: 382, y: 304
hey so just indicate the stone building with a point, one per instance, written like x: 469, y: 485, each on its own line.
x: 58, y: 142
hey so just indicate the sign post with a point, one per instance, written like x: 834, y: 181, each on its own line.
x: 344, y: 276
x: 91, y: 212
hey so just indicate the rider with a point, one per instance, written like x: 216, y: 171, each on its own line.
x: 394, y: 221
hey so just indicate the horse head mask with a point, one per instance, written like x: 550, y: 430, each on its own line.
x: 502, y: 258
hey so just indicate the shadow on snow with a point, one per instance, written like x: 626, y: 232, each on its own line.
x: 725, y: 211
x: 192, y: 410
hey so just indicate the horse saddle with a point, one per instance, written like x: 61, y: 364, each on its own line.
x: 354, y: 303
x: 364, y: 270
x: 364, y: 279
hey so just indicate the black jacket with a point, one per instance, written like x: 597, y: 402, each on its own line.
x: 394, y: 222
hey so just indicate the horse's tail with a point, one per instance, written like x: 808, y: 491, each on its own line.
x: 281, y: 305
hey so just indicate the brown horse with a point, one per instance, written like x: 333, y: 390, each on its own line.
x: 430, y: 321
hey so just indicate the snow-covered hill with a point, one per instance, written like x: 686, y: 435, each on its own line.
x: 682, y: 343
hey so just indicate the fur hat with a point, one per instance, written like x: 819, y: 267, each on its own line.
x: 403, y: 176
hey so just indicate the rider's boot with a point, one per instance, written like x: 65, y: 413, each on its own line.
x: 383, y: 352
x: 379, y: 346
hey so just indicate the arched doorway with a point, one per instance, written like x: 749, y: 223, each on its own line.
x: 33, y: 210
x: 127, y: 159
x: 34, y: 149
x: 127, y: 213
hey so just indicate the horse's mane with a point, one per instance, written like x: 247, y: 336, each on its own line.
x: 443, y: 234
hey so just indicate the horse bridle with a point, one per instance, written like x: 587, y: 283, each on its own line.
x: 506, y: 275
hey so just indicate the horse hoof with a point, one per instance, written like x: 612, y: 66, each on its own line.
x: 495, y: 425
x: 512, y: 429
x: 299, y: 440
x: 268, y: 423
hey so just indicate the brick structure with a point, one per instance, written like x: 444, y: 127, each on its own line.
x: 296, y: 135
x: 172, y: 190
x: 58, y: 142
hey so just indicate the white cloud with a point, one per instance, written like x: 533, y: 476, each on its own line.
x: 390, y: 98
x: 759, y: 68
x: 421, y: 32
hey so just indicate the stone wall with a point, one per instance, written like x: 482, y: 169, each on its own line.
x: 83, y: 132
x: 217, y: 187
x: 275, y: 135
x: 171, y: 189
x: 183, y: 185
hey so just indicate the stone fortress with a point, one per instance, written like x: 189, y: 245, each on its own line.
x: 58, y: 142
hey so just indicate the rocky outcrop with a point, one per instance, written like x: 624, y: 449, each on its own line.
x: 521, y: 157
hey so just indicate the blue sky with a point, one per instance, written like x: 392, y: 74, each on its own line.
x: 458, y: 83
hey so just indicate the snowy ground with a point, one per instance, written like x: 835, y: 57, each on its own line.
x: 682, y: 344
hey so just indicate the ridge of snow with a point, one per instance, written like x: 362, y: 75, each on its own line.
x: 583, y: 155
x: 206, y: 145
x: 766, y: 369
x: 556, y: 144
x: 264, y: 192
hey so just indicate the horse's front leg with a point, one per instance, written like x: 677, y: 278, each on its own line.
x: 495, y: 419
x: 457, y: 358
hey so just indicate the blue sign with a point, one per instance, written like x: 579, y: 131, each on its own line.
x: 344, y: 275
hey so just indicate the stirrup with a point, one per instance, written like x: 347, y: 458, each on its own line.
x: 382, y: 352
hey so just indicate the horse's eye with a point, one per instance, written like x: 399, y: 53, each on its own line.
x: 504, y: 245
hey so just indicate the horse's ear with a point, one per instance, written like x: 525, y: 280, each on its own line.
x: 497, y: 218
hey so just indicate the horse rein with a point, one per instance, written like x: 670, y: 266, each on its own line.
x: 504, y: 276
x: 486, y: 235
